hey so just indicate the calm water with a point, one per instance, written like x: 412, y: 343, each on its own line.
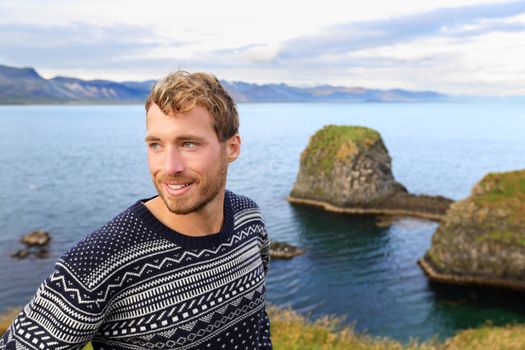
x: 69, y: 169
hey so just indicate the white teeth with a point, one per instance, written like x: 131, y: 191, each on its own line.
x: 177, y: 187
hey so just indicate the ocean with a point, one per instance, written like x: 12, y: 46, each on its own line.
x: 69, y: 169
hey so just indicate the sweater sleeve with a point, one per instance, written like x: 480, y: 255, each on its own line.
x: 265, y: 342
x: 63, y: 314
x: 265, y: 250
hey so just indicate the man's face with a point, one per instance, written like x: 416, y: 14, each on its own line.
x: 187, y: 163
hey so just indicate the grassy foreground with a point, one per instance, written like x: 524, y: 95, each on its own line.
x: 291, y: 331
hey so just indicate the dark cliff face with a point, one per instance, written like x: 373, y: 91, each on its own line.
x: 346, y: 166
x: 349, y: 167
x: 482, y: 238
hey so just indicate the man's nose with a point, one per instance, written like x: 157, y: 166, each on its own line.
x: 174, y: 162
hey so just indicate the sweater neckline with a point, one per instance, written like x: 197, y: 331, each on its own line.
x: 186, y: 241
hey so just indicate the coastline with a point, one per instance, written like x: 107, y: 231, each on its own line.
x: 333, y: 208
x: 436, y: 276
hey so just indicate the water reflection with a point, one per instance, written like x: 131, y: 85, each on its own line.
x: 370, y: 274
x: 460, y: 307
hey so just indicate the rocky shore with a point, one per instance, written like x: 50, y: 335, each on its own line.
x: 348, y: 169
x: 482, y: 238
x: 284, y: 251
x: 35, y: 244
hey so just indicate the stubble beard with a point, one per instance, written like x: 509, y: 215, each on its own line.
x: 209, y: 187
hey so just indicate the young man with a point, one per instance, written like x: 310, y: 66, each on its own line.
x: 185, y: 269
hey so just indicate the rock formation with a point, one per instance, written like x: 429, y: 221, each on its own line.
x: 348, y: 169
x: 39, y: 239
x: 283, y: 250
x: 36, y: 238
x: 482, y: 238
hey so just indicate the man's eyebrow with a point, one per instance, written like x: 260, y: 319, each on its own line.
x: 151, y: 138
x: 178, y: 138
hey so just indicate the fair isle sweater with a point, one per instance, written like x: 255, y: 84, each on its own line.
x: 136, y: 284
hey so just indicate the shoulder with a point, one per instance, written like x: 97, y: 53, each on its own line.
x: 107, y: 235
x: 117, y: 242
x: 245, y: 210
x: 240, y: 202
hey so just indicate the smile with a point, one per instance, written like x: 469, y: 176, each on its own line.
x: 177, y: 189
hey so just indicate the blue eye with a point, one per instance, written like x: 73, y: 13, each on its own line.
x: 189, y: 145
x: 154, y: 146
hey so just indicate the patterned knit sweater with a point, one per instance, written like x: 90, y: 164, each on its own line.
x: 136, y: 284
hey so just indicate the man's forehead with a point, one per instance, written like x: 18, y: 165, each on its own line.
x: 196, y: 122
x: 198, y: 113
x: 170, y: 112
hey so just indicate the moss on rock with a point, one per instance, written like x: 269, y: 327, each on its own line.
x: 335, y: 142
x: 348, y: 168
x: 482, y: 238
x: 503, y: 193
x: 505, y: 237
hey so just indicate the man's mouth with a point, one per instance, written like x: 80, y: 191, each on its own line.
x: 177, y: 189
x: 178, y: 186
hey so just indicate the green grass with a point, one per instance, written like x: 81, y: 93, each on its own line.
x: 488, y: 337
x: 506, y: 237
x: 504, y: 192
x: 291, y: 331
x: 496, y: 187
x: 335, y: 142
x: 7, y: 317
x: 500, y: 186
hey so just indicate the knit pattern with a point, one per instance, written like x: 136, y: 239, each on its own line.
x: 136, y: 284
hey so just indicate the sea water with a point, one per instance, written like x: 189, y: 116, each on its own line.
x: 69, y: 169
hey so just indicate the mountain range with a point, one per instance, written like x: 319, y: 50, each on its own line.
x: 26, y: 86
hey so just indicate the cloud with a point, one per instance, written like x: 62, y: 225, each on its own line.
x: 468, y: 47
x: 410, y: 43
x: 260, y: 53
x: 444, y: 22
x: 76, y: 45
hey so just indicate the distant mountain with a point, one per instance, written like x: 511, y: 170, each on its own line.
x: 26, y: 86
x: 245, y: 92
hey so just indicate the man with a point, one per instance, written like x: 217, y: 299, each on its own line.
x: 185, y: 269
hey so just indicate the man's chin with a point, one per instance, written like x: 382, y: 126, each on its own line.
x: 175, y: 206
x: 180, y: 211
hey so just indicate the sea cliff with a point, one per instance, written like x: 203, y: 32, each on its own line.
x: 348, y: 169
x: 482, y: 238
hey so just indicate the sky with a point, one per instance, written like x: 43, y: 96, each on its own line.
x: 461, y: 47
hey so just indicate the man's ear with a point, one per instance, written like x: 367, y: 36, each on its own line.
x: 233, y: 147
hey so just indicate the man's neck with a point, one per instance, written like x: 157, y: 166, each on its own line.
x: 204, y: 222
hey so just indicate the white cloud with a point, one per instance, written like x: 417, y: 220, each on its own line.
x: 261, y: 53
x: 456, y: 46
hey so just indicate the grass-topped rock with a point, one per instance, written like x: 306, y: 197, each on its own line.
x: 482, y: 238
x: 348, y: 169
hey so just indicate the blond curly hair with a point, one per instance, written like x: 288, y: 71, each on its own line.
x: 181, y: 91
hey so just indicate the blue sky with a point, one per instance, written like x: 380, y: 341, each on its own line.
x: 457, y: 47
